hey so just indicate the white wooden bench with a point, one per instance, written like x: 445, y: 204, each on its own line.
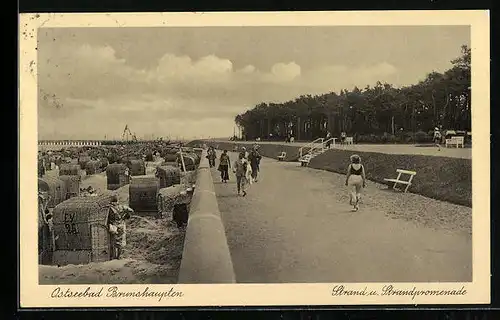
x: 282, y: 156
x: 455, y: 141
x: 304, y: 161
x: 349, y: 140
x: 398, y: 180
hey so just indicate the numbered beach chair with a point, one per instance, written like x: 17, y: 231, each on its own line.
x: 80, y: 230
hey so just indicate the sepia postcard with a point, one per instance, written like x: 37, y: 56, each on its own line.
x: 254, y: 159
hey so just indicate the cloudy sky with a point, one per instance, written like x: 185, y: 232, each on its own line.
x: 192, y: 82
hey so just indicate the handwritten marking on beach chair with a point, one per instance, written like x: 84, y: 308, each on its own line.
x: 282, y: 156
x: 398, y: 180
x: 455, y: 141
x: 304, y: 161
x: 349, y: 140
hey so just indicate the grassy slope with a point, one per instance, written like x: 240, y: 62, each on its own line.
x: 441, y: 178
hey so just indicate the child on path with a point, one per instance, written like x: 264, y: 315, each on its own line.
x: 355, y: 180
x: 248, y: 174
x: 243, y: 152
x: 241, y: 169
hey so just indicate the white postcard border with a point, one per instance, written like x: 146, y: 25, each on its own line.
x: 34, y: 295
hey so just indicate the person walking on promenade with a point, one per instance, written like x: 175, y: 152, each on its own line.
x: 248, y: 174
x: 355, y: 180
x: 241, y: 167
x: 214, y: 156
x: 224, y: 165
x: 254, y: 158
x: 437, y: 138
x: 327, y: 138
x: 343, y: 136
x: 211, y: 155
x: 244, y: 152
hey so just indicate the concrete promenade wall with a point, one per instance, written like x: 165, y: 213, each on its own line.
x: 206, y: 257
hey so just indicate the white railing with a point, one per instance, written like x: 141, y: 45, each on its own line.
x: 314, y: 145
x: 325, y: 143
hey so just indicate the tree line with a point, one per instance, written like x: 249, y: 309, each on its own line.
x: 382, y: 111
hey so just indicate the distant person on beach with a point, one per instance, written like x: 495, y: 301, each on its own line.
x: 254, y: 158
x: 41, y: 166
x: 117, y: 227
x: 241, y: 167
x: 224, y: 165
x: 437, y: 138
x: 355, y: 180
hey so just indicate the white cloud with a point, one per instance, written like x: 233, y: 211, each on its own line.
x: 97, y: 54
x: 99, y: 90
x: 286, y: 71
x: 247, y: 69
x: 173, y: 68
x: 213, y: 65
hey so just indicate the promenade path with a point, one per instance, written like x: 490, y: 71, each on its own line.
x: 465, y: 153
x: 295, y: 225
